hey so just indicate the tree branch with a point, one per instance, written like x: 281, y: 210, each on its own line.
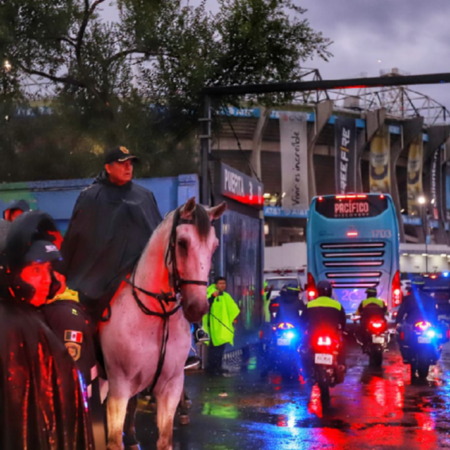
x: 130, y: 51
x: 67, y: 80
x: 88, y: 11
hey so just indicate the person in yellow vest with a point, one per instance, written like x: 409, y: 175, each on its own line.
x: 324, y: 313
x: 369, y: 309
x: 218, y: 323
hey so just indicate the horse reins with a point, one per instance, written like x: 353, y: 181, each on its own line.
x: 165, y: 297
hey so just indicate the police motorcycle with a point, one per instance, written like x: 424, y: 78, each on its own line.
x: 421, y: 345
x: 422, y: 329
x: 286, y: 334
x: 373, y: 337
x: 320, y: 354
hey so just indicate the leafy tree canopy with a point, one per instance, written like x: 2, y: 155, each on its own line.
x: 139, y: 79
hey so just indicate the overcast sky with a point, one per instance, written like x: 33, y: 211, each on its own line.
x: 373, y: 35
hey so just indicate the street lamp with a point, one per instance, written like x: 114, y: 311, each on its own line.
x: 424, y: 216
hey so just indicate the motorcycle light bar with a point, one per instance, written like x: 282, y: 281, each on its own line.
x: 423, y: 325
x: 285, y: 326
x: 324, y: 341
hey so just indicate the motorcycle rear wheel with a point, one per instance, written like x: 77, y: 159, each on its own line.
x: 376, y: 357
x: 324, y: 385
x: 423, y: 369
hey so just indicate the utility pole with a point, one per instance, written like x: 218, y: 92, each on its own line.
x: 205, y: 150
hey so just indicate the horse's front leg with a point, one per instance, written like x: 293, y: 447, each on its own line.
x: 129, y: 429
x: 116, y: 411
x: 167, y: 401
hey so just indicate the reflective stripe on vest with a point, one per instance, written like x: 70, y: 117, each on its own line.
x: 373, y: 301
x: 326, y: 302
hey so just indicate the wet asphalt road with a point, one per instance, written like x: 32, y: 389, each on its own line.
x: 372, y: 409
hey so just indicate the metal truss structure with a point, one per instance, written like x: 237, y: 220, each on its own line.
x: 401, y: 102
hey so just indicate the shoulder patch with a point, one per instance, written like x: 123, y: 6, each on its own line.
x: 73, y: 336
x: 74, y: 350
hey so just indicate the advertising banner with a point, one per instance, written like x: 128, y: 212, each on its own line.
x: 447, y: 191
x: 294, y: 159
x: 414, y: 177
x: 345, y: 154
x: 436, y: 184
x: 380, y: 149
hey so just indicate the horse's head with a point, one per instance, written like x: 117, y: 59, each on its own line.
x: 195, y: 242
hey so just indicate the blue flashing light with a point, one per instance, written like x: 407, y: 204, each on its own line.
x: 290, y: 335
x: 431, y: 333
x: 445, y: 274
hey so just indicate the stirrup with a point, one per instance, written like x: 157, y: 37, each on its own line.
x: 201, y: 335
x: 192, y: 362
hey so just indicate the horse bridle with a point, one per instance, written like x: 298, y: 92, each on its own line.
x: 175, y: 281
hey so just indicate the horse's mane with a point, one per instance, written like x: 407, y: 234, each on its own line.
x: 200, y: 219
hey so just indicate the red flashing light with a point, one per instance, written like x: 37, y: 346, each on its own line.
x: 402, y: 335
x: 275, y: 305
x: 352, y: 196
x: 320, y: 199
x: 377, y: 326
x: 311, y: 290
x: 423, y: 325
x: 261, y: 334
x: 352, y: 233
x: 382, y: 196
x: 433, y: 277
x: 396, y: 290
x: 324, y: 341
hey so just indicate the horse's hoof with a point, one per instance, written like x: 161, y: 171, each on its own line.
x: 184, y: 419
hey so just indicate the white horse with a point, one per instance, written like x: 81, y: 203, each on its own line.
x: 176, y: 260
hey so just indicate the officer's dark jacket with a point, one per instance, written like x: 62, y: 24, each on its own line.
x: 289, y: 307
x: 417, y: 305
x: 68, y: 320
x: 109, y: 229
x: 326, y: 313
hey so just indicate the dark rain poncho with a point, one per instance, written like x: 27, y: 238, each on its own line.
x: 109, y: 229
x: 42, y: 404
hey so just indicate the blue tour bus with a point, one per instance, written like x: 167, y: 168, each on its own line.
x: 353, y: 242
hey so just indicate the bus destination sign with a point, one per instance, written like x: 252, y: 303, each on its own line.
x: 351, y: 206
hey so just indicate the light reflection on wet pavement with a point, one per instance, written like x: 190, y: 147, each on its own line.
x: 372, y: 409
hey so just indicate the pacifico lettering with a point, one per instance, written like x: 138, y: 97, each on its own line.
x: 361, y: 208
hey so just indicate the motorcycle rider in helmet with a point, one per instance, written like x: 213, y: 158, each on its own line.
x: 325, y: 313
x: 290, y: 307
x: 369, y: 309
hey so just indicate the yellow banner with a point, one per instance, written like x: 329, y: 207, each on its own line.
x: 414, y: 180
x: 380, y: 180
